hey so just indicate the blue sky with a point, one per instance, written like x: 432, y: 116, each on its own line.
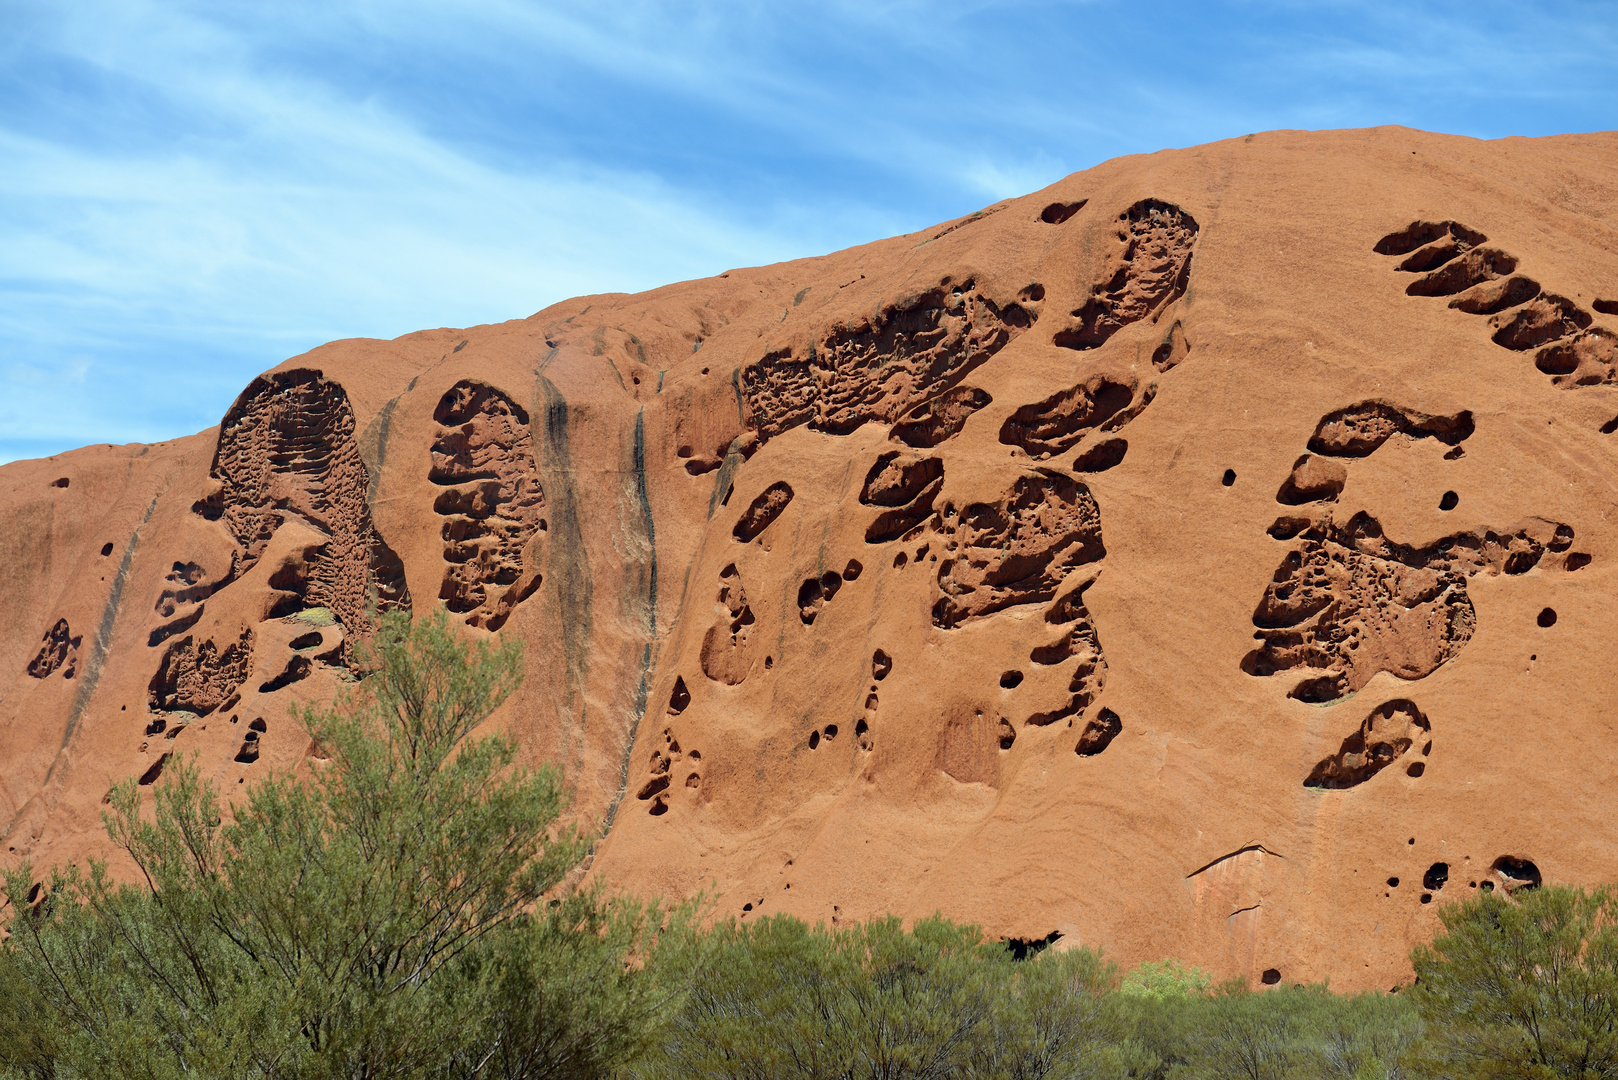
x: 190, y: 193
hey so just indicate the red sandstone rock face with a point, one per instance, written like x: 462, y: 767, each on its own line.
x: 1176, y: 558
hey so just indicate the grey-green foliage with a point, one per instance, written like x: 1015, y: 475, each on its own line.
x: 1525, y: 986
x: 1162, y: 979
x: 872, y: 1002
x: 1286, y: 1033
x: 377, y: 919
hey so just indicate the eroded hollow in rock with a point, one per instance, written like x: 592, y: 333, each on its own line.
x: 1386, y: 735
x: 1542, y: 320
x: 58, y: 651
x: 1059, y: 422
x: 1081, y: 644
x: 1102, y: 456
x: 1017, y: 550
x: 297, y: 670
x: 1517, y: 873
x: 909, y: 485
x: 1347, y: 602
x: 493, y: 506
x: 1098, y: 734
x: 1150, y: 273
x: 877, y: 369
x: 679, y: 697
x: 1587, y: 358
x: 1172, y: 350
x: 727, y: 654
x: 1313, y: 479
x: 1421, y: 233
x: 1494, y: 297
x: 1360, y: 430
x: 287, y: 449
x: 762, y: 511
x: 940, y: 418
x: 155, y: 770
x: 199, y: 678
x: 1473, y: 268
x: 815, y: 593
x: 1058, y: 212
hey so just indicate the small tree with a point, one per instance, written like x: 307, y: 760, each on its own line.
x: 1163, y: 979
x: 376, y: 919
x: 1236, y: 1033
x: 876, y: 1002
x: 1370, y: 1036
x: 1049, y: 1019
x: 1525, y: 986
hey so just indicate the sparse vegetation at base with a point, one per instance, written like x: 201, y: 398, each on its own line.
x: 402, y: 912
x: 387, y: 916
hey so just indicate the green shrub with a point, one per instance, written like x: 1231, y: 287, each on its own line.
x: 375, y: 920
x: 780, y: 999
x: 1163, y: 979
x: 1287, y: 1032
x: 399, y: 913
x: 1525, y: 986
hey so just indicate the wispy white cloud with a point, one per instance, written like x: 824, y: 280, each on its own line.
x: 192, y: 191
x: 295, y: 216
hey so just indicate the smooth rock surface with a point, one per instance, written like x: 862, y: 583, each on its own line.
x: 1172, y: 558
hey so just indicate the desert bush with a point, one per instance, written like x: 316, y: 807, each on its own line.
x: 382, y: 917
x: 398, y: 913
x: 778, y: 998
x: 1523, y: 986
x: 1187, y: 1031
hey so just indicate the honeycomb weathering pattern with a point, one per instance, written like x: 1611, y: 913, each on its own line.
x: 1523, y: 317
x: 1151, y: 272
x: 878, y: 368
x: 1058, y: 423
x: 287, y: 449
x: 198, y: 678
x: 1016, y: 550
x: 59, y: 649
x: 1346, y: 601
x: 1073, y: 747
x: 492, y: 503
x: 1390, y: 730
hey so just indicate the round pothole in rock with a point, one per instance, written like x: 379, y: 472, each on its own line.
x: 1271, y: 976
x: 1450, y: 501
x: 1229, y: 478
x: 1547, y: 617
